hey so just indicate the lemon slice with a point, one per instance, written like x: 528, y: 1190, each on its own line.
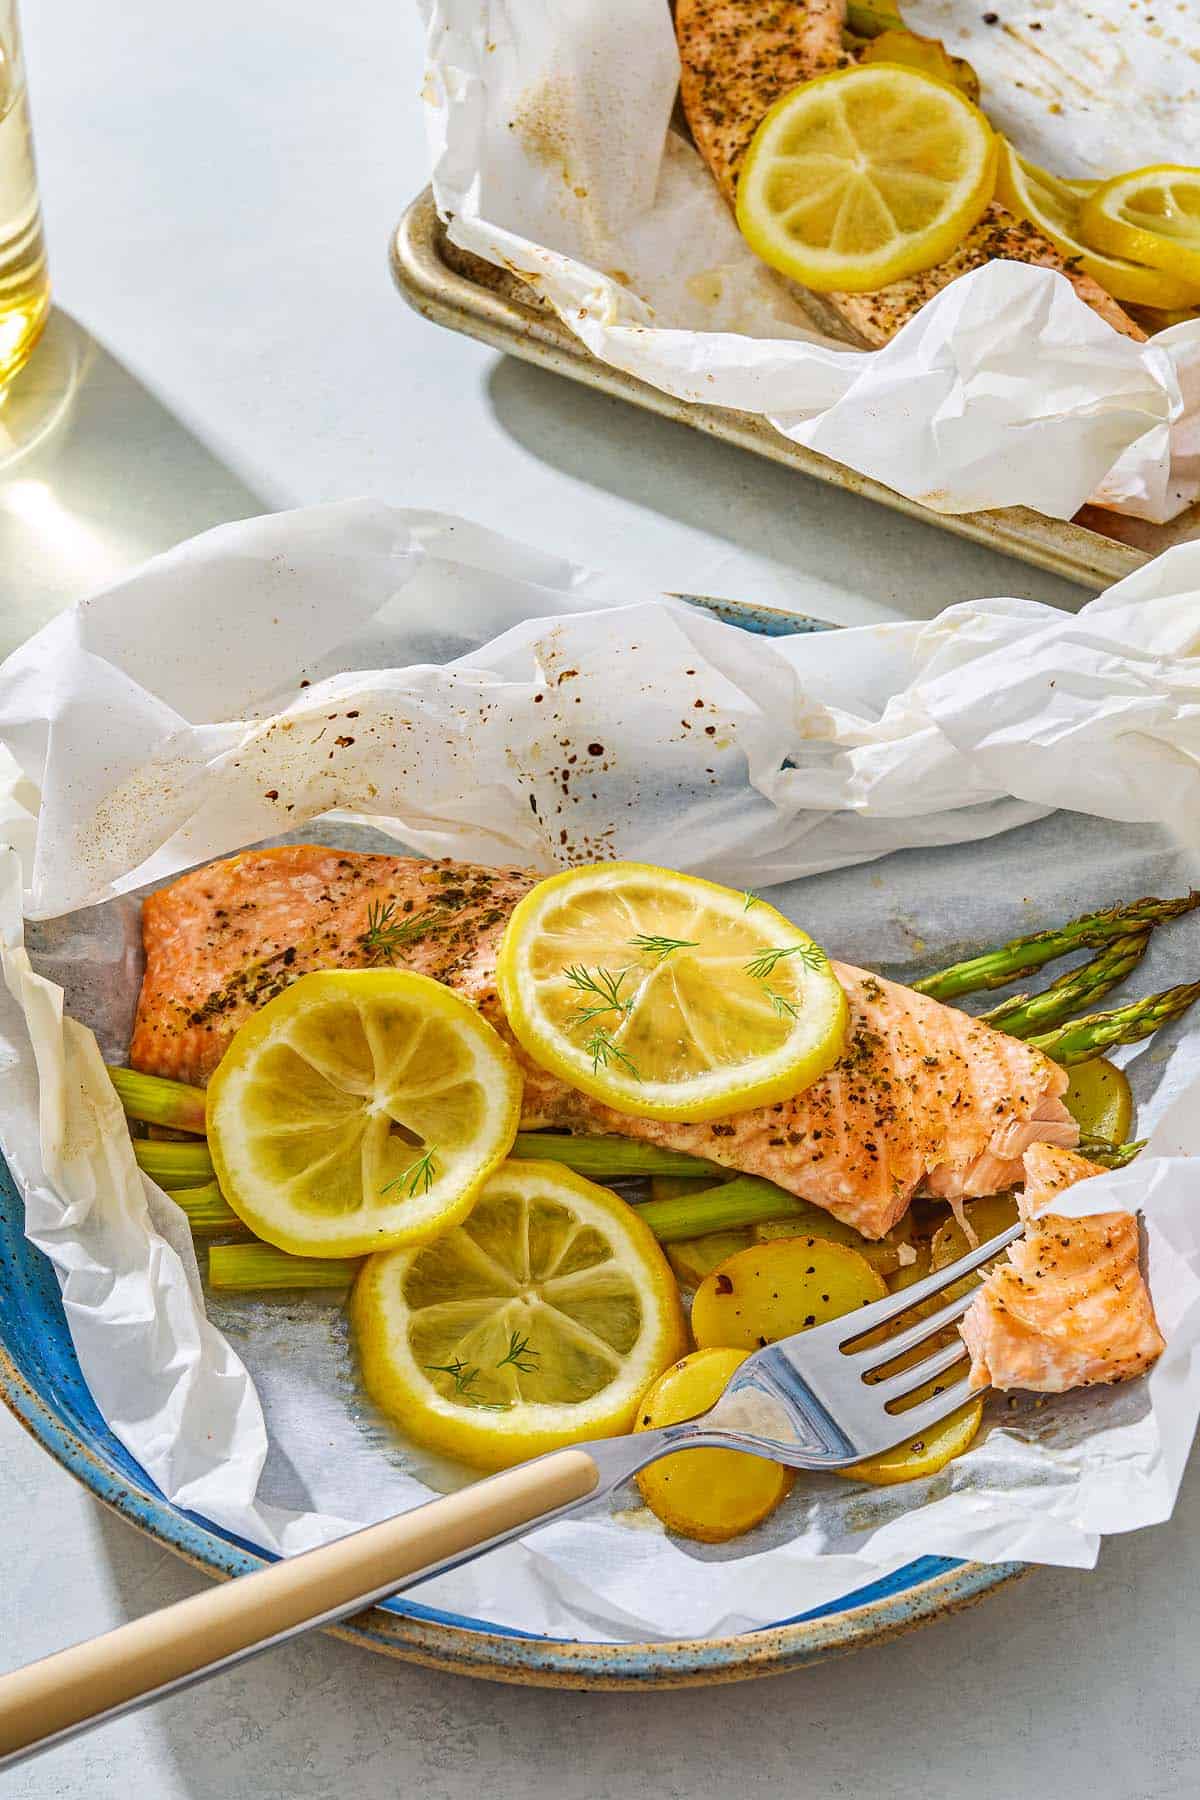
x: 930, y: 54
x: 1151, y: 216
x: 666, y: 996
x: 864, y: 176
x: 358, y: 1110
x: 538, y: 1321
x: 1057, y: 211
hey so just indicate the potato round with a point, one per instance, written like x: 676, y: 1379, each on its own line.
x: 693, y: 1258
x: 773, y: 1290
x: 709, y: 1495
x: 923, y: 1455
x: 882, y: 1253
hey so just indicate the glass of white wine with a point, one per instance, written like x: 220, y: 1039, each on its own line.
x: 24, y: 278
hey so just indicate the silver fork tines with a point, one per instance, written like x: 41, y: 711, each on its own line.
x: 815, y: 1400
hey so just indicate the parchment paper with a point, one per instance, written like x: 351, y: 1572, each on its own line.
x: 145, y: 723
x: 553, y: 156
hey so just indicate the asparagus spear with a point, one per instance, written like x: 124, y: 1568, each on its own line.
x: 1081, y: 1039
x: 159, y: 1102
x: 174, y: 1165
x: 746, y: 1201
x: 208, y: 1212
x: 243, y: 1268
x: 1026, y: 955
x: 605, y: 1156
x: 1026, y: 1013
x: 1109, y: 1156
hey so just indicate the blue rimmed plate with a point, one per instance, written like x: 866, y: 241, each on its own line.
x: 41, y: 1382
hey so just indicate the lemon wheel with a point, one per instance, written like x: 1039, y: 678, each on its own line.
x: 666, y: 996
x: 1152, y: 216
x: 538, y: 1321
x: 864, y: 176
x: 1059, y: 212
x: 358, y: 1110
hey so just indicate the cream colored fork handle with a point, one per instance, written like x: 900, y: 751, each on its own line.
x: 108, y: 1674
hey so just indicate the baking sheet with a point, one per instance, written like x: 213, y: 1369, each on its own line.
x: 554, y: 154
x: 953, y: 739
x: 462, y: 292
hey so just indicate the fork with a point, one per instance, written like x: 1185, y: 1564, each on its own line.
x: 817, y: 1400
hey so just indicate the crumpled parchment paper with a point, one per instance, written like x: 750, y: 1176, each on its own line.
x: 553, y: 155
x: 895, y: 784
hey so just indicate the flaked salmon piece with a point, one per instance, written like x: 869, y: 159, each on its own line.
x: 924, y: 1095
x: 737, y: 57
x: 1070, y: 1307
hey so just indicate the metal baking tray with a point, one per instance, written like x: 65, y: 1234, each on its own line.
x: 456, y: 289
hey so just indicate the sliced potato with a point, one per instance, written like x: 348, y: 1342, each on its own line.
x: 987, y: 1219
x: 883, y: 1254
x: 923, y: 1455
x: 771, y: 1290
x: 694, y: 1257
x: 908, y: 1273
x: 711, y: 1495
x: 1100, y: 1100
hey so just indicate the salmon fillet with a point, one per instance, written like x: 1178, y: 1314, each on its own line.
x: 923, y: 1097
x: 1070, y: 1307
x: 737, y: 57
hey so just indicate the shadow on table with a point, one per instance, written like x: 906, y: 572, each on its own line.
x: 762, y: 508
x: 1068, y: 1681
x: 96, y: 474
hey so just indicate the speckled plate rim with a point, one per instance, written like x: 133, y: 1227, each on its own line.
x: 41, y: 1383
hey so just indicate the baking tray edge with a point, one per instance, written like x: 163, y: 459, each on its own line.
x: 472, y: 297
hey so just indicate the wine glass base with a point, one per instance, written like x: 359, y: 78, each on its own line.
x: 39, y: 397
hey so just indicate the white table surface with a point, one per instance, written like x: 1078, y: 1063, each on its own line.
x: 220, y: 182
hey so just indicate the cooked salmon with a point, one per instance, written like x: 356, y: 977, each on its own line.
x: 737, y: 57
x: 1070, y: 1307
x: 924, y: 1097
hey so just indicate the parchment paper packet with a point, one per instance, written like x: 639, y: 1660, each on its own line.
x: 150, y: 725
x: 553, y: 156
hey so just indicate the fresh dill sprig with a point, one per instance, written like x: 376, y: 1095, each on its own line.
x: 783, y: 1006
x: 751, y: 899
x: 463, y: 1377
x: 602, y: 1051
x: 763, y: 965
x: 520, y: 1355
x: 604, y: 986
x: 661, y: 946
x: 385, y: 933
x: 418, y: 1175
